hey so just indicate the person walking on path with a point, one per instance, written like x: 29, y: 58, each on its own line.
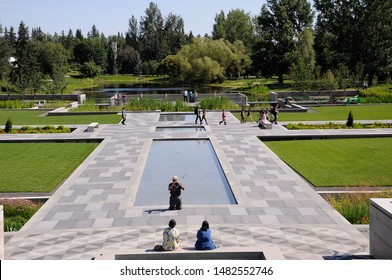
x: 249, y: 115
x: 204, y: 117
x: 223, y: 117
x: 123, y: 116
x: 243, y: 115
x: 197, y: 112
x: 274, y: 113
x: 175, y: 188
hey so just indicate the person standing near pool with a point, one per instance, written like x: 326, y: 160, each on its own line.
x: 185, y: 95
x: 197, y: 112
x: 175, y: 188
x: 204, y: 117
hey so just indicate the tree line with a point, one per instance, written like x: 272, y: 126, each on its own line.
x: 337, y: 42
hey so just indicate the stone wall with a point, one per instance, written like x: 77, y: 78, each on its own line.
x: 381, y: 228
x: 1, y: 233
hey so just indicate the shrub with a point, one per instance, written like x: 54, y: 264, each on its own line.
x: 8, y: 126
x: 293, y: 126
x: 350, y: 119
x: 14, y: 223
x: 90, y: 69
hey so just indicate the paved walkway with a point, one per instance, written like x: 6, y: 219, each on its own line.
x: 93, y: 210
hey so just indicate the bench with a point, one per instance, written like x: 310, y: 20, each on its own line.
x: 266, y: 125
x: 92, y: 126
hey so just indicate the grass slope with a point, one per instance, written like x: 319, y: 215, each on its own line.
x: 39, y: 167
x: 343, y: 162
x: 32, y: 117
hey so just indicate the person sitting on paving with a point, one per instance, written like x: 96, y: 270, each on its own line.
x: 204, y: 240
x: 171, y: 238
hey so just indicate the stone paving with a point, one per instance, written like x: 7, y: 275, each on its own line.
x: 93, y: 210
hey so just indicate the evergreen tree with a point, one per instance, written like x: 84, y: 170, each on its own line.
x: 132, y: 36
x: 151, y: 31
x: 350, y: 119
x: 280, y: 23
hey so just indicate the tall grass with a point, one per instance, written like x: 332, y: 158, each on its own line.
x: 16, y: 104
x: 17, y: 212
x: 218, y: 103
x: 355, y: 206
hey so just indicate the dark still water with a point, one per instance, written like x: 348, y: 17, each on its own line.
x: 140, y: 90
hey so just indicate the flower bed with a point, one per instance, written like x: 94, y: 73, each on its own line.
x: 355, y: 206
x: 17, y: 212
x: 38, y: 129
x: 332, y: 125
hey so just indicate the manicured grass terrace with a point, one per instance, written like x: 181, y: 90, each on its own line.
x: 335, y: 113
x: 342, y: 162
x: 360, y: 112
x: 39, y: 167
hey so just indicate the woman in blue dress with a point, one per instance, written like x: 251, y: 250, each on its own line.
x: 204, y: 240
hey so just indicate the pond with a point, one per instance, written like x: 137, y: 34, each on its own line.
x: 140, y: 90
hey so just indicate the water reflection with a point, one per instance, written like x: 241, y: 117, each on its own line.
x: 106, y: 91
x: 181, y: 128
x: 177, y: 117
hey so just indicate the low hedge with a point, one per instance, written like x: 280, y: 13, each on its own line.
x: 38, y: 129
x: 332, y: 125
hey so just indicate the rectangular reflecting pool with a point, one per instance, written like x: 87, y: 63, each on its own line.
x: 196, y: 165
x: 181, y: 128
x: 177, y: 117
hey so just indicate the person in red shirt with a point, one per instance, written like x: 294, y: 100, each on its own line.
x: 223, y: 117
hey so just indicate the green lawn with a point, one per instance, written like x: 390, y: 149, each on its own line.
x: 343, y: 162
x: 337, y: 113
x: 39, y: 167
x: 33, y: 117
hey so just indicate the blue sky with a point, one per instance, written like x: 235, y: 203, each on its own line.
x: 111, y: 17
